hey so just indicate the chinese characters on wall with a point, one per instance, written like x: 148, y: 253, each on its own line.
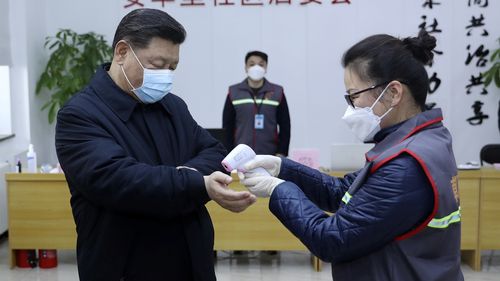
x: 431, y: 25
x: 220, y: 3
x: 476, y: 33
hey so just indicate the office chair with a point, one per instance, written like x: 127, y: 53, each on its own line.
x: 490, y: 154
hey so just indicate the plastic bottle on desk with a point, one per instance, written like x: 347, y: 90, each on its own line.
x: 31, y: 159
x: 19, y: 166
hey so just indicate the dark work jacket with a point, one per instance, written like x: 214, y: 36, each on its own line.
x: 381, y: 230
x: 238, y: 118
x: 137, y: 216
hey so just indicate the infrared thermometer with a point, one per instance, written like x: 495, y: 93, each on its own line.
x: 238, y: 157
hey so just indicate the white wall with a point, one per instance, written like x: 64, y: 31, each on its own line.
x: 304, y: 43
x: 4, y: 168
x: 19, y: 82
x: 5, y: 105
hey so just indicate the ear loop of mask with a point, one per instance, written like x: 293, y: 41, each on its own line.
x: 126, y: 78
x: 121, y: 67
x: 379, y: 97
x: 136, y: 57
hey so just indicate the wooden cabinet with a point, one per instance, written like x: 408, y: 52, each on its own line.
x: 39, y: 213
x: 489, y: 222
x: 254, y: 229
x: 469, y: 201
x: 469, y: 190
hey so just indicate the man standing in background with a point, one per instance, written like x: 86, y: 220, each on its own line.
x: 256, y: 111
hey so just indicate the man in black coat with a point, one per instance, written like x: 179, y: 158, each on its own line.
x: 139, y: 168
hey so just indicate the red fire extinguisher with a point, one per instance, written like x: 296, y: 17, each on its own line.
x: 26, y: 258
x: 47, y: 258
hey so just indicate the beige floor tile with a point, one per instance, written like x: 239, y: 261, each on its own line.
x: 251, y: 265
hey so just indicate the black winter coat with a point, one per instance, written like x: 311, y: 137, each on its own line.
x: 137, y: 216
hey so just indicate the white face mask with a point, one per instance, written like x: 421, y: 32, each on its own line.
x: 256, y: 72
x: 363, y: 122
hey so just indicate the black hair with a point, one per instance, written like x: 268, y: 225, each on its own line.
x: 382, y: 58
x: 260, y: 54
x: 141, y: 25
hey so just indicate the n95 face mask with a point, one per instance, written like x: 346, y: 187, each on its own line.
x: 256, y: 72
x: 363, y: 122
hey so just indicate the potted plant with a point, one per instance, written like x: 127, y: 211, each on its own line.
x: 493, y: 74
x: 71, y: 65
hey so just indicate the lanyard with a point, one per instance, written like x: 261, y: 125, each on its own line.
x: 259, y: 105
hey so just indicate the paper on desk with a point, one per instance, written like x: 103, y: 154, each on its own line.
x: 469, y: 166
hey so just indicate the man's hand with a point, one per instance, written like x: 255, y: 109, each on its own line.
x: 234, y: 201
x: 258, y: 184
x: 271, y: 164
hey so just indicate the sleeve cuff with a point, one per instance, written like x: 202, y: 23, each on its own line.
x: 197, y: 187
x: 285, y: 166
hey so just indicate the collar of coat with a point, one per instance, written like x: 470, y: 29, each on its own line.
x: 422, y: 121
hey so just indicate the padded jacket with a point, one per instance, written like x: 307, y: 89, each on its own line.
x: 391, y: 218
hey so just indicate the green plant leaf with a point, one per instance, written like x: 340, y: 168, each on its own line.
x: 496, y: 76
x: 488, y: 77
x: 53, y: 45
x: 47, y: 104
x: 52, y: 113
x: 70, y: 66
x: 493, y: 73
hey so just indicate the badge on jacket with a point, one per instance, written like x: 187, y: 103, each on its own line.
x: 259, y: 121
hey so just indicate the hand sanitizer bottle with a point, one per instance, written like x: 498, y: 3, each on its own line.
x: 19, y: 167
x: 31, y: 159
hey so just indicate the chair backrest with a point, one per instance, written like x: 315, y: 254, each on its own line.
x: 490, y: 153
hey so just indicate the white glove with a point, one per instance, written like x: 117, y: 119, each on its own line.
x: 271, y: 164
x: 258, y: 184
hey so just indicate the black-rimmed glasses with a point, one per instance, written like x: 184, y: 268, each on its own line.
x: 348, y: 97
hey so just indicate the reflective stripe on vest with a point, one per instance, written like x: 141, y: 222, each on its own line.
x: 434, y: 223
x: 258, y: 101
x: 446, y: 221
x: 346, y: 198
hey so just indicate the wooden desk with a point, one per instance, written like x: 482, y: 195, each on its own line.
x: 469, y: 185
x: 40, y: 217
x: 489, y: 219
x: 39, y: 213
x: 254, y: 229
